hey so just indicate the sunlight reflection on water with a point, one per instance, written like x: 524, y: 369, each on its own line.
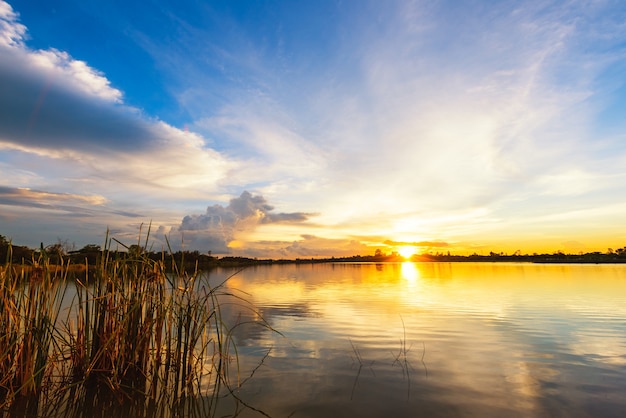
x: 436, y: 339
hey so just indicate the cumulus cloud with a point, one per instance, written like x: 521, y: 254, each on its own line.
x: 220, y: 225
x: 51, y: 101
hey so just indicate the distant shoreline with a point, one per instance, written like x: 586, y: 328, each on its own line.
x: 89, y: 255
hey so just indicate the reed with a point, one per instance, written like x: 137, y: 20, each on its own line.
x: 29, y: 302
x: 129, y: 339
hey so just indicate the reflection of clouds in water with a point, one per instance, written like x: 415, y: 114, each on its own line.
x: 598, y: 338
x: 493, y: 342
x: 270, y: 292
x: 294, y: 310
x: 595, y: 347
x: 521, y: 378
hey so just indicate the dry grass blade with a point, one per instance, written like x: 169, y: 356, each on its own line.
x: 134, y: 339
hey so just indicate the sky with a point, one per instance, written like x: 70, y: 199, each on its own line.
x: 297, y: 129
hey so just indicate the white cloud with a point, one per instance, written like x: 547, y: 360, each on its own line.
x: 57, y: 65
x: 571, y: 182
x: 11, y: 32
x: 62, y: 68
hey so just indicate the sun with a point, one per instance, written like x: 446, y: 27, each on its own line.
x: 406, y: 251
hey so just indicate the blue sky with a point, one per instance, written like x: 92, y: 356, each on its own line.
x: 303, y: 129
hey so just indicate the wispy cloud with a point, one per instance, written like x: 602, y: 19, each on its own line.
x: 494, y: 95
x: 65, y: 202
x: 456, y: 107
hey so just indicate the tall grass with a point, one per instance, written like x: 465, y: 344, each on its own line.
x: 29, y: 308
x: 129, y: 339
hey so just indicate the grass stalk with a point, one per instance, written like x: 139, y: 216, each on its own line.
x: 128, y: 338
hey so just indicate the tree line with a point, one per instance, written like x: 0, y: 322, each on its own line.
x: 62, y: 251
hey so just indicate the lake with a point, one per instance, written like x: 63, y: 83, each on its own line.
x: 431, y: 339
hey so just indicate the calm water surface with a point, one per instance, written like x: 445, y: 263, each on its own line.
x: 434, y: 339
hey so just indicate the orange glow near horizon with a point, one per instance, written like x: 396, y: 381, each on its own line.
x: 406, y: 251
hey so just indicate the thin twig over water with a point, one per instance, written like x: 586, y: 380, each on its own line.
x: 361, y: 363
x: 402, y: 360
